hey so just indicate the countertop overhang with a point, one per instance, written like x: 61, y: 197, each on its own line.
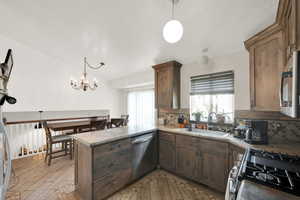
x: 94, y: 138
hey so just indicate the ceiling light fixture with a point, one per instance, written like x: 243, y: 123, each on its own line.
x: 83, y: 83
x: 173, y: 29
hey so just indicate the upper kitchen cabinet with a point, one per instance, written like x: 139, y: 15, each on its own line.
x: 270, y: 51
x: 266, y: 65
x: 167, y: 85
x: 289, y: 17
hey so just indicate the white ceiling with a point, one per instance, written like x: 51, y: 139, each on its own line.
x: 127, y: 35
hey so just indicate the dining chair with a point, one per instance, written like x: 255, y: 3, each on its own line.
x: 64, y: 140
x: 116, y: 122
x: 126, y: 119
x: 98, y: 124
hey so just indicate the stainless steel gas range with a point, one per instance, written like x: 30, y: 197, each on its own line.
x: 265, y: 176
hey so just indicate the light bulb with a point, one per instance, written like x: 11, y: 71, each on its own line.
x: 173, y: 31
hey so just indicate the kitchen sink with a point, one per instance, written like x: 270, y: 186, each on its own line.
x: 204, y: 132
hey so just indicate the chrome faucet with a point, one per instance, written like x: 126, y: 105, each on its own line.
x: 209, y: 118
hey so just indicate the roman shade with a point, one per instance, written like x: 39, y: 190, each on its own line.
x: 217, y: 83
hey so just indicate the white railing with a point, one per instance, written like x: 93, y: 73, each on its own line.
x: 27, y: 140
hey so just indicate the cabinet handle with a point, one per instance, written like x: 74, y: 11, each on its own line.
x: 110, y: 165
x: 252, y: 103
x: 198, y: 154
x: 142, y: 140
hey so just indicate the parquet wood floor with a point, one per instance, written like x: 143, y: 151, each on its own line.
x: 34, y: 180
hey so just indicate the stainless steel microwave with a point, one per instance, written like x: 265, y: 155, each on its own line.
x: 289, y: 90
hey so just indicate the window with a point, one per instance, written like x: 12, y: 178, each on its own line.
x: 141, y: 107
x: 212, y: 97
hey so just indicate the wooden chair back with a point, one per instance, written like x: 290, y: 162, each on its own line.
x: 126, y: 119
x: 99, y: 124
x: 117, y: 122
x: 47, y: 132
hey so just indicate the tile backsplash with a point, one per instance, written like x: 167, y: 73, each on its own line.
x: 282, y: 132
x: 279, y: 131
x: 171, y: 116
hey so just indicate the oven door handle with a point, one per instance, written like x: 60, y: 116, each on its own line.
x: 281, y: 89
x: 232, y: 179
x: 283, y: 76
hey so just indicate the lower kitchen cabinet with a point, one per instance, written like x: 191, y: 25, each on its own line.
x: 201, y: 160
x: 167, y: 151
x: 212, y: 170
x: 213, y: 164
x: 187, y: 156
x: 110, y: 183
x: 112, y: 167
x: 186, y: 162
x: 104, y: 169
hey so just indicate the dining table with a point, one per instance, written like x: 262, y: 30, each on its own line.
x: 76, y: 126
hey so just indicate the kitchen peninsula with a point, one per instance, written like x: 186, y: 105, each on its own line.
x: 108, y: 160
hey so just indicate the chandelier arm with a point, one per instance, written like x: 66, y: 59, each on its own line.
x: 93, y: 87
x: 97, y: 67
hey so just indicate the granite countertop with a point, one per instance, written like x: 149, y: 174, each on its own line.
x: 105, y: 136
x: 94, y: 138
x: 287, y: 148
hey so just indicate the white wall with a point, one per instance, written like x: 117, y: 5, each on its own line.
x: 139, y: 79
x: 239, y: 62
x: 40, y: 82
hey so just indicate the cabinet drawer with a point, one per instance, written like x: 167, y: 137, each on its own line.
x: 170, y: 137
x: 186, y: 141
x: 110, y: 184
x: 112, y: 147
x: 111, y: 162
x: 214, y: 147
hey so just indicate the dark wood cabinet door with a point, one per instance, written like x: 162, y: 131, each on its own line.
x: 212, y: 170
x: 291, y: 18
x: 186, y: 162
x: 164, y: 88
x: 111, y: 158
x: 167, y: 85
x: 213, y: 164
x: 110, y: 183
x: 266, y: 65
x: 167, y: 155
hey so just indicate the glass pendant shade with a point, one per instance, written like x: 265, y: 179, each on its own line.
x: 173, y: 31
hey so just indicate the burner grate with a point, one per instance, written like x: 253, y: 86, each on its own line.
x: 277, y: 177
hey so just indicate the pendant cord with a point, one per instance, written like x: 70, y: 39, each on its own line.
x: 173, y: 9
x: 84, y: 73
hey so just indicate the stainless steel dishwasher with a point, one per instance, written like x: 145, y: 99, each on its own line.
x: 144, y: 154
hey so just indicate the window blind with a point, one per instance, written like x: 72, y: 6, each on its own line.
x: 217, y: 83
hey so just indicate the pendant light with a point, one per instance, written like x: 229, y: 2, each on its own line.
x: 173, y: 29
